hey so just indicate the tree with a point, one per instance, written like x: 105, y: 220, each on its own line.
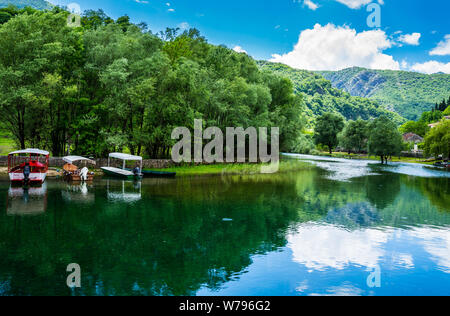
x: 437, y: 141
x: 26, y: 57
x: 431, y: 117
x: 420, y: 128
x: 328, y: 126
x: 447, y: 111
x: 384, y: 139
x: 354, y: 136
x: 4, y: 17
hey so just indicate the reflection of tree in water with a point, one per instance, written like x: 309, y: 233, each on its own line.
x: 354, y: 215
x: 438, y: 192
x: 155, y: 246
x: 382, y: 190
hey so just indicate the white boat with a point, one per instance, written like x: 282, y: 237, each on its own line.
x: 122, y: 172
x: 28, y: 166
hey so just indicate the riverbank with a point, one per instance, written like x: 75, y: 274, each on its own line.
x: 234, y: 169
x: 421, y: 161
x: 200, y: 170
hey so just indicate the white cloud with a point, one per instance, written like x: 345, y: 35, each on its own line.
x: 319, y: 247
x: 431, y: 67
x: 333, y: 47
x: 356, y: 4
x: 443, y: 47
x: 183, y: 26
x: 310, y: 4
x: 239, y: 49
x: 410, y: 39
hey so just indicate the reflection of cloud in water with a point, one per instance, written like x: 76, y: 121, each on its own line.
x: 319, y: 247
x: 345, y: 289
x: 437, y: 243
x: 323, y: 246
x: 403, y: 260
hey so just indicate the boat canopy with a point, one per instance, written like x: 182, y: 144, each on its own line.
x: 72, y: 159
x: 32, y: 151
x: 125, y: 157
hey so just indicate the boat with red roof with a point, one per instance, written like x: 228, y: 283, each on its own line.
x: 28, y: 166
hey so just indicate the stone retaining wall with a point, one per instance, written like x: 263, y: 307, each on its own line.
x: 100, y: 162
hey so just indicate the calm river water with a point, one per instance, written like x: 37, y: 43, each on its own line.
x: 335, y: 228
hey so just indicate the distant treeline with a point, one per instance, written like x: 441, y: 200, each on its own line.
x: 110, y: 85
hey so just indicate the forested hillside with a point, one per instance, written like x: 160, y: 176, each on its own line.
x: 36, y: 4
x: 408, y: 93
x: 110, y: 85
x: 320, y: 96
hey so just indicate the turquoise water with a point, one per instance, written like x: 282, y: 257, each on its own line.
x: 323, y: 230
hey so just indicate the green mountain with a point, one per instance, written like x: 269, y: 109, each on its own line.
x: 36, y: 4
x: 408, y: 93
x: 320, y: 95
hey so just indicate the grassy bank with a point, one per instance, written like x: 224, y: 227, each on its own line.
x: 6, y: 143
x: 233, y: 169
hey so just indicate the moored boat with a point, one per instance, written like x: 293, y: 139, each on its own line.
x: 157, y: 174
x: 123, y: 172
x: 72, y: 173
x: 28, y: 166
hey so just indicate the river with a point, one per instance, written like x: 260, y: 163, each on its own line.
x: 336, y: 227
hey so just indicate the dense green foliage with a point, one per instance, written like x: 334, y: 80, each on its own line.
x: 442, y: 106
x: 354, y: 136
x: 437, y: 141
x: 408, y: 93
x: 421, y: 126
x: 321, y: 97
x: 111, y: 85
x: 36, y: 4
x: 328, y: 126
x: 384, y: 138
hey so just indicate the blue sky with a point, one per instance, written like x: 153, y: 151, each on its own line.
x: 310, y: 34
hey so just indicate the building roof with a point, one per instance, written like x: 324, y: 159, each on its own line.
x: 411, y: 137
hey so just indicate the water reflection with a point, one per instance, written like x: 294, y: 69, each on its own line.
x: 78, y: 193
x: 124, y: 191
x: 26, y: 201
x: 300, y: 233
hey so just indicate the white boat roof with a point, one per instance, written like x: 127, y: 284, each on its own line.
x: 30, y: 151
x: 72, y: 159
x: 125, y: 157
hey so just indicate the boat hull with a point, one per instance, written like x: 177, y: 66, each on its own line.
x: 118, y: 173
x: 77, y: 178
x: 158, y: 174
x: 34, y: 178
